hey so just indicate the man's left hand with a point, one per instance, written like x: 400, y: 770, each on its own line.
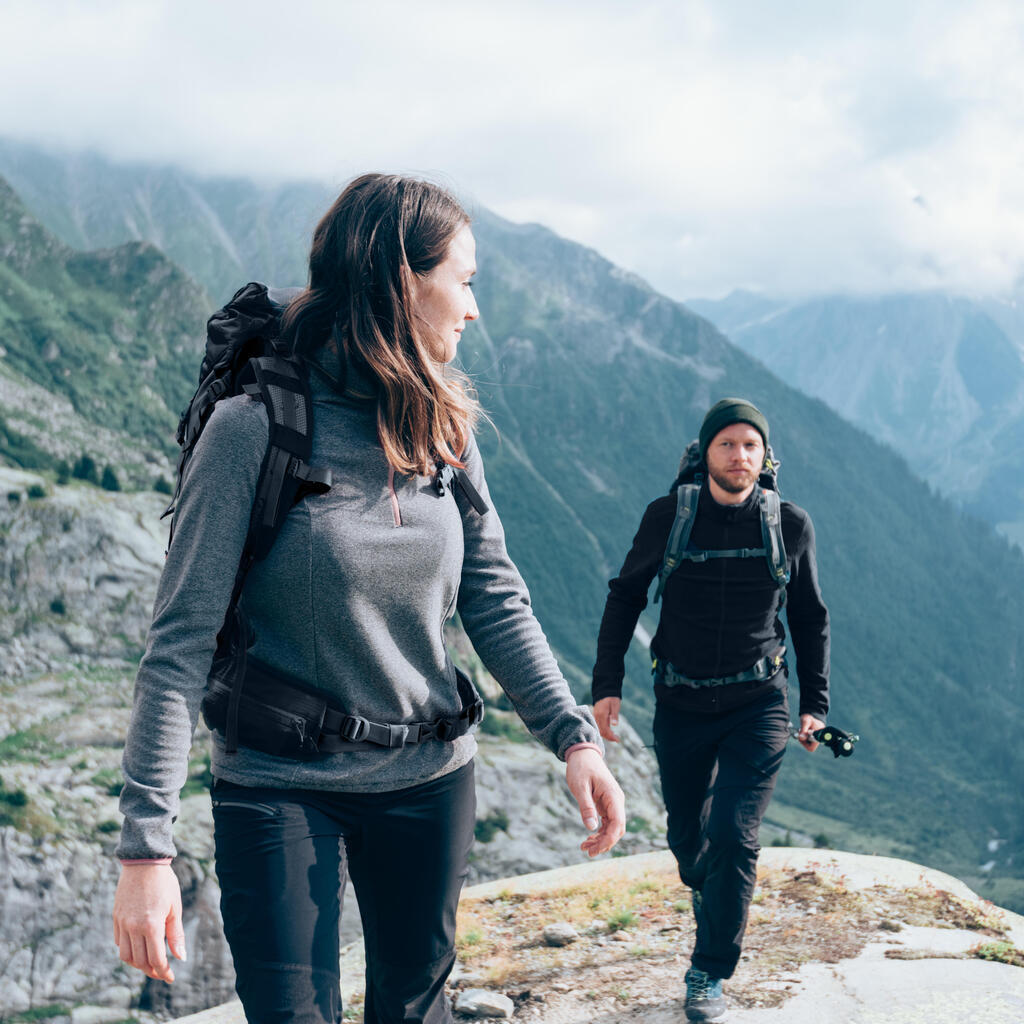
x: 600, y: 799
x: 809, y: 724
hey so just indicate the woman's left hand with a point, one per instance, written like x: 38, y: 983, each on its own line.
x: 600, y: 799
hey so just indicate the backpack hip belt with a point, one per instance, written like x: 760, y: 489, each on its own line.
x: 281, y: 715
x: 762, y: 669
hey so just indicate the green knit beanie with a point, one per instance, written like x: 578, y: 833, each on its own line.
x: 726, y: 412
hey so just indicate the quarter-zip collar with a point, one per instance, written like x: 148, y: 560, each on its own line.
x: 361, y: 389
x: 707, y: 506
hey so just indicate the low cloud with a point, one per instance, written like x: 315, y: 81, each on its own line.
x: 703, y: 145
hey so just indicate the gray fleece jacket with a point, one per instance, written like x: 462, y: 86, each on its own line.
x: 352, y: 599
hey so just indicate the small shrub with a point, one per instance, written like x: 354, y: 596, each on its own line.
x: 622, y: 918
x: 1000, y: 952
x: 13, y: 805
x: 109, y: 780
x: 63, y: 472
x: 14, y: 798
x: 110, y: 481
x: 36, y: 491
x: 85, y: 469
x: 108, y: 826
x: 822, y: 842
x: 163, y: 486
x: 58, y: 607
x: 487, y: 828
x: 14, y: 497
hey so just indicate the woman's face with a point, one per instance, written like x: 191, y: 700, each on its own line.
x: 443, y: 299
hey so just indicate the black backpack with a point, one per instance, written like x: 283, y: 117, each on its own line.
x: 687, y: 486
x: 244, y: 355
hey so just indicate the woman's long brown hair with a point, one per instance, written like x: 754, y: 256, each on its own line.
x: 380, y: 231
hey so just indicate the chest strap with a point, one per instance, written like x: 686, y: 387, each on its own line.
x: 762, y: 669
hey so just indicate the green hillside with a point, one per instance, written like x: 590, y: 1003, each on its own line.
x: 116, y: 331
x: 595, y: 383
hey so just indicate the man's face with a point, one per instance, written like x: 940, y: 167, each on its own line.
x: 735, y: 457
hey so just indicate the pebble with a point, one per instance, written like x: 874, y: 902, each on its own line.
x: 479, y: 1002
x: 560, y: 933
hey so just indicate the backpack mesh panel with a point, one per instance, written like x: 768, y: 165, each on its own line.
x: 289, y: 408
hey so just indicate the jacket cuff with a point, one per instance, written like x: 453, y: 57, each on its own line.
x: 601, y: 688
x: 583, y: 746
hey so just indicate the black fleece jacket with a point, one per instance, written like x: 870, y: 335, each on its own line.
x: 721, y: 616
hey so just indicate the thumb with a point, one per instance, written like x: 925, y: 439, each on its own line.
x: 176, y: 933
x: 588, y: 812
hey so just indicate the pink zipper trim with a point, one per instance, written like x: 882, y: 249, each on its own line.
x: 394, y: 497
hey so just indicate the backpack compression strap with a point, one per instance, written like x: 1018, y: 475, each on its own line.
x: 773, y: 551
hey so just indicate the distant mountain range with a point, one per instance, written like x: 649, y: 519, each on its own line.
x: 595, y: 383
x: 938, y: 378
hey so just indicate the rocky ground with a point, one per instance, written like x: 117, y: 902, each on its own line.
x: 836, y: 937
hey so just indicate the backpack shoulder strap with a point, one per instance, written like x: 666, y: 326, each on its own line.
x: 282, y: 383
x: 771, y: 531
x: 679, y: 537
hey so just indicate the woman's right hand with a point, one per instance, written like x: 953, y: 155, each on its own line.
x: 147, y: 906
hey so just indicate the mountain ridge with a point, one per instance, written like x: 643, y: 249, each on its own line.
x: 596, y: 383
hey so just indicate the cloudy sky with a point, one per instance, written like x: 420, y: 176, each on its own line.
x: 704, y: 144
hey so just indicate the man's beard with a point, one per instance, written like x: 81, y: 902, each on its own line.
x: 735, y: 484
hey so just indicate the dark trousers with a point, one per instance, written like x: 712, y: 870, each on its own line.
x: 717, y: 776
x: 281, y: 861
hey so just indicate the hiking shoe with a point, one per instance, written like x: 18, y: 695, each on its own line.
x: 704, y: 999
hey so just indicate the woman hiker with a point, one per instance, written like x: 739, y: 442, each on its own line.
x: 350, y: 601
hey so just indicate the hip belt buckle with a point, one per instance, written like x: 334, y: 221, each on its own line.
x: 354, y: 729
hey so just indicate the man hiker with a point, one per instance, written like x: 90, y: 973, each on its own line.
x: 729, y: 556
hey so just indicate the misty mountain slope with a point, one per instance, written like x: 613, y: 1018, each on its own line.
x: 224, y: 232
x: 595, y: 384
x: 113, y: 331
x: 938, y: 378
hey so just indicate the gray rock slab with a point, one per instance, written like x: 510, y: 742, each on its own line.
x: 873, y: 990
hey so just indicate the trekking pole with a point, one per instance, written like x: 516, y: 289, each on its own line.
x: 837, y: 740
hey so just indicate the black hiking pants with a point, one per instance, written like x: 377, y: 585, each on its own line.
x: 717, y: 776
x: 281, y: 862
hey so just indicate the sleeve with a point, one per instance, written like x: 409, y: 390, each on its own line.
x: 494, y: 605
x: 809, y: 626
x: 627, y: 598
x: 211, y: 524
